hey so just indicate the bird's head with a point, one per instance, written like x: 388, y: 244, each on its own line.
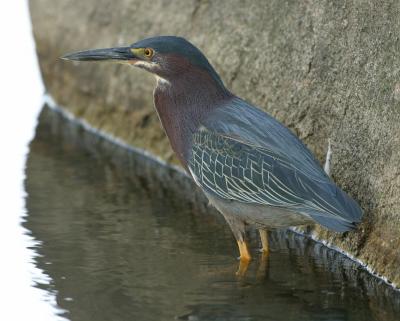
x: 168, y: 57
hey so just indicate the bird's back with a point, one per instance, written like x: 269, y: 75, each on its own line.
x: 242, y: 154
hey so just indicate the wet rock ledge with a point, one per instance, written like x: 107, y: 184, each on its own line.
x: 327, y: 69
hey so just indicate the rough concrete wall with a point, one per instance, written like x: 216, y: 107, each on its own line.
x: 327, y: 69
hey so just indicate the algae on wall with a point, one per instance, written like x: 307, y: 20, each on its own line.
x: 327, y: 69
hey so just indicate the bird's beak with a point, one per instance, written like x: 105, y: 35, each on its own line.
x: 121, y: 54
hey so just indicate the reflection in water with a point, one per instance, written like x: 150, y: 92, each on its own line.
x: 123, y: 239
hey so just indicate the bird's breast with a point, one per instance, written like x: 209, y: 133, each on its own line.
x: 176, y: 122
x: 182, y: 105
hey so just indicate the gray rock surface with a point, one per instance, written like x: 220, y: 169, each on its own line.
x: 327, y: 69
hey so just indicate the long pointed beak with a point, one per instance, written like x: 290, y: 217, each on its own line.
x: 115, y: 54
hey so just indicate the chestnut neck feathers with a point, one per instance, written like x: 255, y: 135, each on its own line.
x: 183, y: 102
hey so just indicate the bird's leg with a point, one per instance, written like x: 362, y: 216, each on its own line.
x: 264, y: 241
x: 245, y: 257
x: 262, y: 269
x: 244, y: 250
x: 238, y: 229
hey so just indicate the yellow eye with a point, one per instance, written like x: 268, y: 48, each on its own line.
x: 148, y: 52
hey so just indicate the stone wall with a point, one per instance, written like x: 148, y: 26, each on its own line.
x: 327, y: 69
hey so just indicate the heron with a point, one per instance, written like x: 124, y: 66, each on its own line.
x: 252, y: 168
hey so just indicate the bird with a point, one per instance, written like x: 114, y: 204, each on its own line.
x: 253, y: 169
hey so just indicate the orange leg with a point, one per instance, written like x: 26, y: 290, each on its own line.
x: 244, y: 251
x: 262, y: 269
x: 264, y: 241
x: 245, y: 258
x: 239, y: 232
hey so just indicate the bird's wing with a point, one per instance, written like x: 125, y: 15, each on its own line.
x: 227, y: 166
x: 249, y: 124
x: 233, y: 170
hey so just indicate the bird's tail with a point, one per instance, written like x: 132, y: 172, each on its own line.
x: 344, y: 213
x: 334, y: 224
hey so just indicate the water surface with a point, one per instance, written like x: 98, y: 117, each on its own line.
x: 123, y: 239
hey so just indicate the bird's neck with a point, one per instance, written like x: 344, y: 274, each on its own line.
x: 183, y: 103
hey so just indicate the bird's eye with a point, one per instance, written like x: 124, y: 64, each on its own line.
x: 148, y: 52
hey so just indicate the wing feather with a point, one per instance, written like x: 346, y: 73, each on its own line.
x: 234, y: 170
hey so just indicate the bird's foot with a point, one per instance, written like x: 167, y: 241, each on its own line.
x: 244, y: 258
x: 243, y: 267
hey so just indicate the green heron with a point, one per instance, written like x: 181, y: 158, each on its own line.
x: 252, y: 168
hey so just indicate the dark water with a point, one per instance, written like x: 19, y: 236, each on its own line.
x: 123, y: 240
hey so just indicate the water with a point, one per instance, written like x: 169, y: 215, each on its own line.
x: 21, y: 97
x: 122, y: 239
